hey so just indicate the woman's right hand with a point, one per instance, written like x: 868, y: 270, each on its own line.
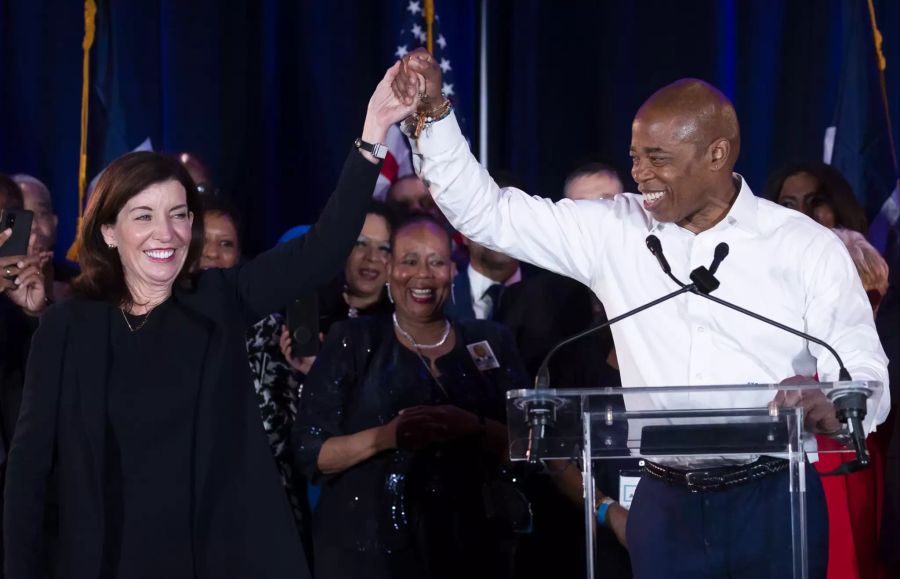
x: 303, y: 364
x: 386, y: 108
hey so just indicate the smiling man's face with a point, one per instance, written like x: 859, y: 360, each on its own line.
x: 669, y: 167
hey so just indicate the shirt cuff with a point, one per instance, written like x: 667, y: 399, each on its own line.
x: 440, y: 137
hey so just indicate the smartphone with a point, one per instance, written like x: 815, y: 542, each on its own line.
x: 19, y: 220
x: 303, y: 325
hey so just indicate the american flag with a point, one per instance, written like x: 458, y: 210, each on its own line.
x: 413, y: 35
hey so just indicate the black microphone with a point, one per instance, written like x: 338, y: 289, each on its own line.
x: 719, y: 254
x: 655, y: 248
x: 850, y: 405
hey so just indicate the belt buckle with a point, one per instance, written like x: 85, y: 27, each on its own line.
x: 691, y: 485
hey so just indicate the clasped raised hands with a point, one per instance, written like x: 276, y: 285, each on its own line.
x: 412, y: 84
x: 418, y: 81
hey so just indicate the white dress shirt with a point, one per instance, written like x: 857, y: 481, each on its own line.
x: 782, y: 265
x: 481, y: 303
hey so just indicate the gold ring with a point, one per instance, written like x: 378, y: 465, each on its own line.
x: 8, y: 272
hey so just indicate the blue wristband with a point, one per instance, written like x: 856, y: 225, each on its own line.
x: 601, y: 512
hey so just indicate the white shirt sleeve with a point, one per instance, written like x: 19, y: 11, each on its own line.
x: 839, y: 313
x: 556, y: 236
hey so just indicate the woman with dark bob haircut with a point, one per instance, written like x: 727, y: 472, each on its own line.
x: 138, y: 399
x: 819, y: 191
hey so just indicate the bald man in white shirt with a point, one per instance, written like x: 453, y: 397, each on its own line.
x: 685, y: 141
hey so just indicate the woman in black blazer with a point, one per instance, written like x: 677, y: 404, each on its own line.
x: 138, y: 402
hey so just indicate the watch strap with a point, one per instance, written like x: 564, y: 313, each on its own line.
x: 378, y: 150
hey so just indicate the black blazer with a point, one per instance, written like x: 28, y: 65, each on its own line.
x: 242, y: 526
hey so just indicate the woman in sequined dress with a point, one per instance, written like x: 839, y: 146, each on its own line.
x: 405, y: 430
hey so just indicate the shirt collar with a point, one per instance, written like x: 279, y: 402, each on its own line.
x: 480, y: 283
x: 742, y: 214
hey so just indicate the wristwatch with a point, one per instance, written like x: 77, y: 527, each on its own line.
x: 378, y: 150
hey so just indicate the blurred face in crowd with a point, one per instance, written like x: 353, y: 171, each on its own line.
x: 420, y: 272
x: 366, y: 270
x: 152, y: 234
x: 495, y: 265
x: 594, y: 186
x: 412, y: 193
x: 220, y: 241
x: 43, y: 229
x: 801, y: 193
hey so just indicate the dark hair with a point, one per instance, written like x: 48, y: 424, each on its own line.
x: 383, y: 210
x: 592, y: 166
x: 419, y: 218
x: 10, y: 193
x: 102, y: 277
x: 833, y: 189
x: 213, y: 203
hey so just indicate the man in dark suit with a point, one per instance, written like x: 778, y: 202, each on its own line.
x: 478, y: 288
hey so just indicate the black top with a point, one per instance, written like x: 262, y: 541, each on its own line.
x: 333, y: 308
x: 402, y: 513
x: 240, y: 522
x: 148, y: 469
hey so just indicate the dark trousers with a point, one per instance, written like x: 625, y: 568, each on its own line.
x: 743, y: 532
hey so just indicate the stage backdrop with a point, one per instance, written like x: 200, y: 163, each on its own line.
x: 271, y: 94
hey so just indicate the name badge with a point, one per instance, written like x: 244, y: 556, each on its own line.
x: 628, y: 482
x: 483, y: 356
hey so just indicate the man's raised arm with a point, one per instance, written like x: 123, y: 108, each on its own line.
x: 561, y: 237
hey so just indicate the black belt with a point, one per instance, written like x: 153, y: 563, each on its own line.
x: 718, y: 478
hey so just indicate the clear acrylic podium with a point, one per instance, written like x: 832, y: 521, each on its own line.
x: 698, y: 424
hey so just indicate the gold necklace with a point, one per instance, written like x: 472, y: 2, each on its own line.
x: 140, y: 325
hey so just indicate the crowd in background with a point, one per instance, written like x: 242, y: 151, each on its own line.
x: 362, y: 405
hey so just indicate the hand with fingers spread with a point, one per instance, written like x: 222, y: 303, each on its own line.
x: 818, y: 411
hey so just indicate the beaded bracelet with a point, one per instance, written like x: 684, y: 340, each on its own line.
x: 423, y: 118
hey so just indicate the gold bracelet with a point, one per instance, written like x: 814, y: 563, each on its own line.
x: 424, y: 117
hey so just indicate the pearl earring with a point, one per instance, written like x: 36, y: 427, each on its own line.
x: 388, y: 287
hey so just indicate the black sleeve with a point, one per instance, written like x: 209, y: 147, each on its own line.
x: 31, y: 457
x: 322, y: 401
x: 270, y: 281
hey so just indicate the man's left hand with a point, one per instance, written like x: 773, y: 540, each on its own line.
x: 818, y: 411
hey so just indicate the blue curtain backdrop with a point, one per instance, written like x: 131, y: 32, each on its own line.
x: 271, y: 93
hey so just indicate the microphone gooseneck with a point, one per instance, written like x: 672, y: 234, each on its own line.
x: 540, y: 414
x: 850, y: 405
